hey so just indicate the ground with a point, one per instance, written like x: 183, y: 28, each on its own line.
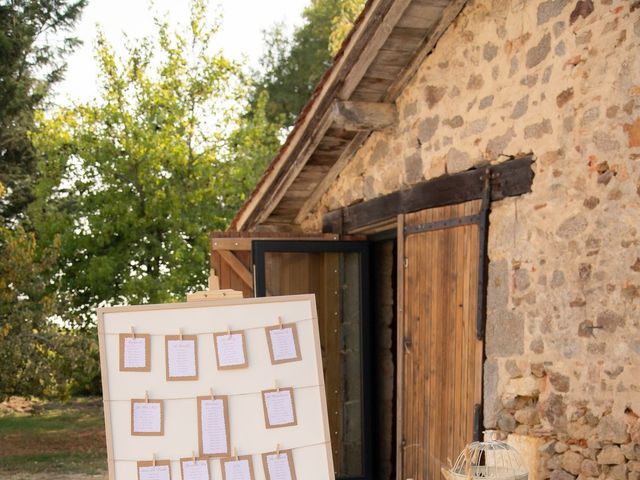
x: 56, y: 441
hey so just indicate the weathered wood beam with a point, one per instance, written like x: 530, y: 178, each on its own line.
x: 280, y: 186
x: 364, y: 116
x: 333, y: 81
x: 374, y: 44
x: 328, y: 180
x: 508, y: 179
x: 448, y: 16
x: 237, y: 266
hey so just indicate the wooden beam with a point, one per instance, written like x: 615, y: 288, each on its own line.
x: 312, y: 114
x: 448, y: 16
x: 237, y: 266
x: 508, y: 179
x: 279, y: 187
x: 328, y: 180
x: 375, y: 43
x: 244, y: 243
x: 364, y: 116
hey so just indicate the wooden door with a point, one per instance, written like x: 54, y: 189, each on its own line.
x: 439, y: 353
x: 337, y: 273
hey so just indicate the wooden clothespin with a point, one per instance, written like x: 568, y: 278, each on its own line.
x: 213, y: 397
x: 235, y: 453
x: 133, y: 332
x: 278, y: 450
x: 154, y: 459
x: 228, y: 332
x: 193, y: 456
x: 275, y: 384
x: 146, y: 396
x: 280, y: 321
x: 180, y: 331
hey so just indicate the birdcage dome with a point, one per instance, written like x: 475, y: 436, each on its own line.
x: 491, y: 460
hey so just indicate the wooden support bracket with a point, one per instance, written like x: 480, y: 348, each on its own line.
x: 213, y: 292
x: 364, y: 116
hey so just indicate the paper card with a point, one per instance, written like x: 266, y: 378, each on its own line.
x: 135, y: 352
x: 231, y: 350
x: 240, y: 468
x: 158, y: 470
x: 279, y: 465
x: 213, y: 426
x: 147, y: 417
x: 283, y: 343
x: 279, y: 408
x: 181, y: 357
x: 197, y: 469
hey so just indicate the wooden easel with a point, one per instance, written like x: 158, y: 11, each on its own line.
x: 214, y: 292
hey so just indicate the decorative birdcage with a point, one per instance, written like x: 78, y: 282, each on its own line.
x: 491, y: 460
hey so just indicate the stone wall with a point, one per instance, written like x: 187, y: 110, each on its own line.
x: 559, y: 79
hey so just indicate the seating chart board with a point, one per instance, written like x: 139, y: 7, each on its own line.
x: 215, y: 416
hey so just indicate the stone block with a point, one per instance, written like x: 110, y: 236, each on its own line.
x: 613, y: 429
x: 611, y: 455
x: 458, y: 161
x: 505, y: 333
x: 524, y: 387
x: 491, y: 402
x: 619, y: 472
x: 589, y: 468
x: 527, y: 416
x: 561, y: 475
x: 506, y: 422
x: 498, y: 286
x: 631, y: 451
x: 571, y: 462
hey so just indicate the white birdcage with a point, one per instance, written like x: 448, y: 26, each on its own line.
x: 491, y: 460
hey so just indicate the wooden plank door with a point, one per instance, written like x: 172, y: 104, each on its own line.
x: 337, y: 272
x: 440, y: 355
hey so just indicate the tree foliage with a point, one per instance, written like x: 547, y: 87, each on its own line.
x: 31, y: 63
x: 37, y: 356
x: 292, y: 67
x: 133, y: 182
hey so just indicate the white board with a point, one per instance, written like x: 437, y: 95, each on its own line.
x: 309, y: 440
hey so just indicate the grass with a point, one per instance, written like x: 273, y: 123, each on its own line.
x: 54, y: 438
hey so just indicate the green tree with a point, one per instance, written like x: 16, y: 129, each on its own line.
x: 133, y: 183
x: 37, y: 356
x: 32, y: 61
x: 292, y: 67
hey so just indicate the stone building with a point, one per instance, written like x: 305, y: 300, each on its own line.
x: 482, y: 158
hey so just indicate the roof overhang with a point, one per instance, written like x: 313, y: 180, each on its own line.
x: 355, y: 96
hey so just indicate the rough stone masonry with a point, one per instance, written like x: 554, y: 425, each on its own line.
x: 559, y: 79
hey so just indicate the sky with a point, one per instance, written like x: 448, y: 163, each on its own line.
x: 243, y: 22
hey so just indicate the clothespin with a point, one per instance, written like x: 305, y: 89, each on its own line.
x: 180, y: 330
x: 146, y: 396
x: 235, y: 453
x: 213, y: 397
x: 154, y: 459
x: 275, y: 384
x: 277, y: 450
x: 280, y: 321
x: 133, y: 332
x: 193, y: 456
x: 228, y: 332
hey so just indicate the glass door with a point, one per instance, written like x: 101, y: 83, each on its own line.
x: 337, y: 272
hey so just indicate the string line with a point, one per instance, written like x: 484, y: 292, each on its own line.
x: 211, y: 333
x: 241, y: 394
x: 301, y: 447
